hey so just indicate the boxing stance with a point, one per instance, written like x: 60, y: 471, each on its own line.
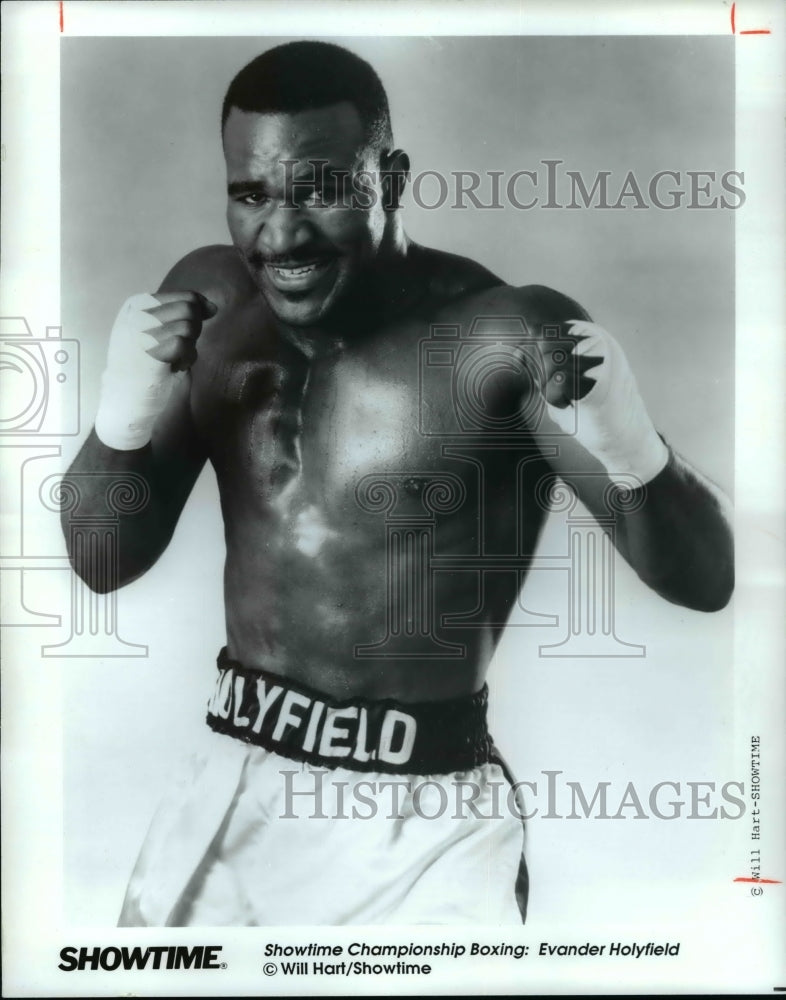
x: 293, y: 361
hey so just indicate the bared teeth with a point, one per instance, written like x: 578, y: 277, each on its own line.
x: 294, y: 271
x: 301, y: 276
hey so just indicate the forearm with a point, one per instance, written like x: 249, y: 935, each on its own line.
x: 675, y: 530
x: 125, y: 490
x: 122, y: 489
x: 679, y: 539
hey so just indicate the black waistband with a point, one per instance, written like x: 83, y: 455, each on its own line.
x: 389, y: 736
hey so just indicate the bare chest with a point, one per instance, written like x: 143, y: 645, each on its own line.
x: 323, y: 426
x: 405, y: 422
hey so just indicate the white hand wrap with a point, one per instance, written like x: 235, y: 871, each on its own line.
x: 134, y: 387
x: 611, y: 421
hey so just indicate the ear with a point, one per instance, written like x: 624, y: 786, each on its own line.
x: 394, y: 177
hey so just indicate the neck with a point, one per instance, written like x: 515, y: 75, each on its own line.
x: 392, y: 284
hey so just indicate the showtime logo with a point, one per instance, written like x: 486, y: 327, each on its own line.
x: 154, y: 957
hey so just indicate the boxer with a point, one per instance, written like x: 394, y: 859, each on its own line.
x: 292, y: 362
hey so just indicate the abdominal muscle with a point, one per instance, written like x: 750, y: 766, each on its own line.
x: 323, y: 608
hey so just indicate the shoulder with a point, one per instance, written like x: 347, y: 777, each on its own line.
x: 535, y: 305
x: 540, y: 304
x: 458, y: 282
x: 449, y: 275
x: 216, y: 271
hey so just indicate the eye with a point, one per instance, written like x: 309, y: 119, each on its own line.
x: 252, y: 198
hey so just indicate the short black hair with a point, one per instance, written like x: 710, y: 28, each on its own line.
x: 299, y: 76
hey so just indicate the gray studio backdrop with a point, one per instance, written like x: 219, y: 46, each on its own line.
x: 143, y: 183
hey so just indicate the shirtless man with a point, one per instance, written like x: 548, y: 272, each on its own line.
x: 347, y: 457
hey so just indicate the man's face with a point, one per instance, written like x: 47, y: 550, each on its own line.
x: 295, y: 224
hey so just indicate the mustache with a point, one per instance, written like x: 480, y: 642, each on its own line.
x: 298, y: 258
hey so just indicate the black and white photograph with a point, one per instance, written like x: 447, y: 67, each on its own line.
x: 393, y: 547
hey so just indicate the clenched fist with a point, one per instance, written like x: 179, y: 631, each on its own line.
x: 153, y: 337
x: 593, y: 394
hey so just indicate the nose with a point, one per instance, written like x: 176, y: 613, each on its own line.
x: 284, y: 229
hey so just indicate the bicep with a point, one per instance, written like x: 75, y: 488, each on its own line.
x: 178, y: 452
